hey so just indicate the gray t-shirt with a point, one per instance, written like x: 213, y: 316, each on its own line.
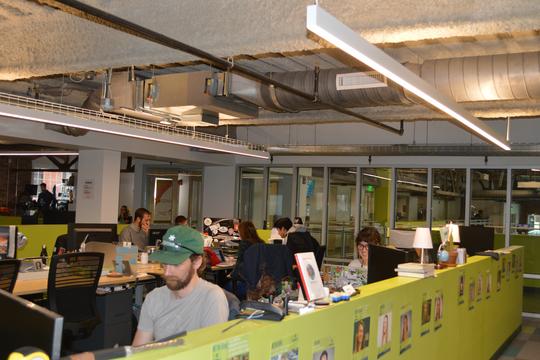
x: 163, y: 314
x: 134, y: 235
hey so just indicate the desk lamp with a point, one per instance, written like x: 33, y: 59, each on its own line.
x: 422, y: 240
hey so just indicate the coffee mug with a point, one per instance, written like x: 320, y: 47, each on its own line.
x: 144, y: 258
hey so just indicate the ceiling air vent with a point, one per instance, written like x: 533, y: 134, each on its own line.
x: 360, y: 80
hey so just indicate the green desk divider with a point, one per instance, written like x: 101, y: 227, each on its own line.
x: 474, y: 329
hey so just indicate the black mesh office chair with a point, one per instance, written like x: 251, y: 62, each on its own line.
x: 73, y: 280
x: 9, y: 269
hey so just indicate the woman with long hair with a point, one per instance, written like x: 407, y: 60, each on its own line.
x: 248, y: 237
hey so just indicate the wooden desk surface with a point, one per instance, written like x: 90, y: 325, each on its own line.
x: 36, y: 286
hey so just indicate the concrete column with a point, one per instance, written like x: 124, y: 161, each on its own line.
x: 98, y: 182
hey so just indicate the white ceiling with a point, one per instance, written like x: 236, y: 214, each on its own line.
x: 267, y: 36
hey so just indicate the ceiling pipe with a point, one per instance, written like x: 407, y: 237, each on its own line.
x: 103, y: 18
x: 402, y: 150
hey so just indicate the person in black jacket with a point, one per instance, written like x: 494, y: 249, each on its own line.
x: 248, y: 237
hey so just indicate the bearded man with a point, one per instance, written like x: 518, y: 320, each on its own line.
x: 187, y: 302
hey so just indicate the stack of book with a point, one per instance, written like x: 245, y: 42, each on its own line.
x: 416, y: 270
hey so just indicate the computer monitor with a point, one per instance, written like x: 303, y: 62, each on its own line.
x: 155, y: 235
x: 24, y: 323
x: 476, y: 238
x: 382, y: 262
x: 403, y: 239
x: 8, y: 242
x: 91, y: 232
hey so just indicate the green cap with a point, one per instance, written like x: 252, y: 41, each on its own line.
x: 179, y: 243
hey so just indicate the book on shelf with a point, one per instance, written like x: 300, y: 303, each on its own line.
x: 416, y: 267
x: 415, y: 274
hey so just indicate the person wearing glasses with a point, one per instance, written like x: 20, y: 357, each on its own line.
x: 366, y: 236
x: 187, y: 302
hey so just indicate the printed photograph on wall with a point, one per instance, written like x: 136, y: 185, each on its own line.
x: 361, y: 333
x: 479, y: 287
x: 285, y: 349
x: 461, y: 287
x: 439, y: 309
x: 426, y: 315
x: 323, y: 349
x: 472, y: 293
x: 384, y: 330
x: 405, y: 329
x: 488, y: 284
x: 234, y: 349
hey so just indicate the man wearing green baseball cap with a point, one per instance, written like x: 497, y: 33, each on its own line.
x: 187, y: 302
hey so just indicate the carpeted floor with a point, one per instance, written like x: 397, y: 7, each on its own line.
x: 526, y: 346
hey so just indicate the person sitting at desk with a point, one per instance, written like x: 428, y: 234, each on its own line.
x: 366, y: 236
x: 248, y: 237
x: 187, y: 302
x: 180, y: 220
x: 124, y: 216
x: 137, y: 232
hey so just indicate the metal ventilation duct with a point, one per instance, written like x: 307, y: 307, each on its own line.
x: 481, y: 78
x: 189, y: 98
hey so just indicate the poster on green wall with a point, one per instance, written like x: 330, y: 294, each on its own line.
x: 479, y: 288
x: 361, y: 332
x: 472, y: 292
x: 461, y: 287
x: 323, y: 349
x: 236, y: 348
x: 439, y: 309
x: 405, y: 328
x: 488, y: 284
x: 384, y: 330
x: 499, y: 275
x: 285, y: 348
x: 426, y: 314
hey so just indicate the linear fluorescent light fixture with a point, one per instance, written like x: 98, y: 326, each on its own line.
x: 333, y: 31
x: 39, y: 153
x: 131, y: 135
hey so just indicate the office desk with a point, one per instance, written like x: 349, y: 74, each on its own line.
x: 36, y: 286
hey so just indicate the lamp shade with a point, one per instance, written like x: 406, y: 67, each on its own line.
x: 453, y: 230
x: 422, y: 239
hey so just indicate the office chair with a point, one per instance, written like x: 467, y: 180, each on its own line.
x: 71, y: 290
x: 9, y: 269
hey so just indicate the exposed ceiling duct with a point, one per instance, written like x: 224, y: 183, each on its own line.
x: 480, y: 78
x: 190, y: 99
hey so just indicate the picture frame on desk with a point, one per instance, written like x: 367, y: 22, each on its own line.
x: 310, y: 276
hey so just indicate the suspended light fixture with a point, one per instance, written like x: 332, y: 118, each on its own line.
x: 336, y: 33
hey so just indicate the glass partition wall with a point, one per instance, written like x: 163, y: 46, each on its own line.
x: 525, y: 231
x: 335, y: 202
x: 411, y: 198
x: 310, y: 199
x: 488, y: 198
x: 448, y: 197
x: 341, y: 212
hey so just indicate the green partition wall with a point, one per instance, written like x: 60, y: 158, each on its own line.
x: 471, y: 327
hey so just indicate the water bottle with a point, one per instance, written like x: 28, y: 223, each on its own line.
x: 44, y: 254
